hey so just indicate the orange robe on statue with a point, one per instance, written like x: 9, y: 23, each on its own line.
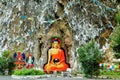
x: 59, y: 65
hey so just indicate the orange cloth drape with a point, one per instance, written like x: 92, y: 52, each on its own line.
x: 62, y: 66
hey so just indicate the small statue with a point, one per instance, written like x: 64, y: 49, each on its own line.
x: 20, y: 59
x: 30, y: 61
x: 56, y: 58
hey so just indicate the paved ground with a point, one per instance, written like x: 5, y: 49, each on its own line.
x: 62, y: 79
x: 51, y: 78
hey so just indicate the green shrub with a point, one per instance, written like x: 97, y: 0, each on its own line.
x: 28, y: 72
x: 6, y: 63
x: 115, y: 42
x: 11, y: 65
x: 3, y: 65
x: 89, y: 57
x: 110, y: 73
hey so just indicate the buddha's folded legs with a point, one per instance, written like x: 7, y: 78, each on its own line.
x: 53, y: 67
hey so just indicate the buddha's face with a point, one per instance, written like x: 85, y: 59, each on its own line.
x: 55, y: 45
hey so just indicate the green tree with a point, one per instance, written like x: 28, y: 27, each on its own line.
x: 115, y: 37
x: 89, y: 58
x: 117, y: 17
x: 115, y: 42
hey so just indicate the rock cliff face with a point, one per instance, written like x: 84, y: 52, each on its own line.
x: 27, y: 25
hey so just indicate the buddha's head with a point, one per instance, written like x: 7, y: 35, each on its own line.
x: 56, y: 43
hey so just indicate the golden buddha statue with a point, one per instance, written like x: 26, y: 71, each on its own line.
x: 56, y: 58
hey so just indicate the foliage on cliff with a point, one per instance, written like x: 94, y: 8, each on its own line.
x: 117, y: 17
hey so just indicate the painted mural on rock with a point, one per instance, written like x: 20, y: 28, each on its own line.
x: 28, y: 25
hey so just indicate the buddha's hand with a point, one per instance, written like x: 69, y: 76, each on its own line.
x: 60, y: 66
x: 57, y: 63
x: 48, y: 66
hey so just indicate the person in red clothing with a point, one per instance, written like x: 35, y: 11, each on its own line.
x: 56, y: 58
